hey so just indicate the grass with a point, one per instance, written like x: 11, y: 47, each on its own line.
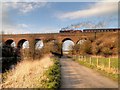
x: 103, y: 66
x: 43, y: 73
x: 53, y: 75
x: 105, y: 62
x: 27, y: 74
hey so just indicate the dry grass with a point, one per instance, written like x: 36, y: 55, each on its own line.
x: 27, y: 74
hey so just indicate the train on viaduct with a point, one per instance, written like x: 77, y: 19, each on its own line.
x: 90, y: 30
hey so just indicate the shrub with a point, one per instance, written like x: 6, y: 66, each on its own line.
x: 76, y: 49
x: 10, y: 56
x: 95, y: 49
x: 86, y: 47
x: 106, y: 51
x: 98, y: 42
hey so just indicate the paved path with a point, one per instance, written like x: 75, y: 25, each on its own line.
x: 78, y: 76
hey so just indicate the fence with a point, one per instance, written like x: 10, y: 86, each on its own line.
x: 109, y: 65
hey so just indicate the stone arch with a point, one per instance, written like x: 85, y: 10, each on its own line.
x: 20, y: 43
x: 64, y: 48
x: 38, y: 42
x: 81, y: 40
x: 66, y: 39
x: 10, y: 42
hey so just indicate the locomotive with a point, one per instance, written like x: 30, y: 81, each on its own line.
x: 70, y: 31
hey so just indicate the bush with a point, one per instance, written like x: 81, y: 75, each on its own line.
x: 10, y: 56
x: 96, y: 49
x: 106, y: 51
x: 82, y: 49
x: 76, y: 49
x: 86, y: 47
x: 98, y: 42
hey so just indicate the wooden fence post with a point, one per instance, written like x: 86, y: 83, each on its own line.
x: 90, y: 60
x: 75, y: 57
x: 82, y: 58
x: 79, y: 57
x: 109, y: 63
x: 97, y: 62
x: 85, y: 59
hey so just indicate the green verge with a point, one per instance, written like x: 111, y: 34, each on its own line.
x: 102, y: 72
x: 53, y: 75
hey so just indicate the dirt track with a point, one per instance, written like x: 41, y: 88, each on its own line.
x: 78, y: 76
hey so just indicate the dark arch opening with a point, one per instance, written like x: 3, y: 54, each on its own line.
x: 10, y: 42
x: 21, y: 42
x: 66, y: 39
x: 23, y: 48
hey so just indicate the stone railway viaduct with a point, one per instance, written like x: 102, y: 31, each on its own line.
x: 19, y: 39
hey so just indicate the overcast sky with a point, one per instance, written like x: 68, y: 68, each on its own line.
x: 49, y: 17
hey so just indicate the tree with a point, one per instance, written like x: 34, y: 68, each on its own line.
x: 75, y: 49
x: 86, y: 47
x: 9, y: 56
x: 96, y: 49
x: 106, y: 51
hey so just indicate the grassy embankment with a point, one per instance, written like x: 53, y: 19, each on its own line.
x: 44, y: 73
x: 106, y: 66
x: 53, y: 75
